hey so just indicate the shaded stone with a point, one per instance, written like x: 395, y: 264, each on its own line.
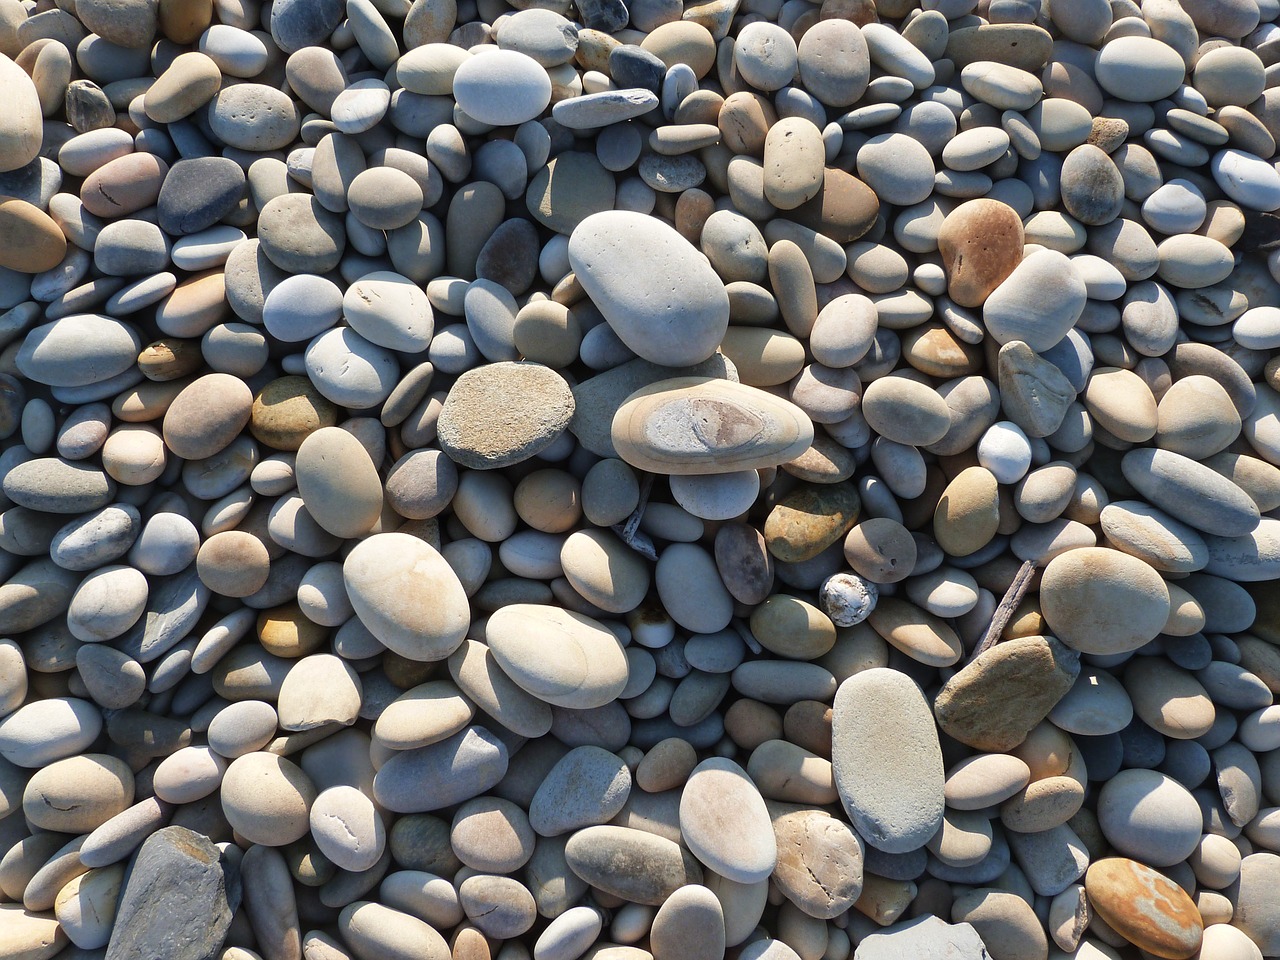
x: 807, y: 521
x: 197, y: 193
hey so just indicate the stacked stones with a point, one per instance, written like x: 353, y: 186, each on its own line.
x: 639, y: 481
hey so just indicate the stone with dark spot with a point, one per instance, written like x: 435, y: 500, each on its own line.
x: 820, y: 860
x: 808, y: 520
x: 177, y: 903
x: 197, y: 193
x: 980, y: 243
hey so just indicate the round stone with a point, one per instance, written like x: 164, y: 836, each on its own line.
x: 724, y: 822
x: 1150, y: 817
x: 347, y: 828
x: 287, y: 411
x: 267, y: 799
x: 1139, y: 69
x: 207, y: 415
x: 504, y: 413
x: 407, y: 595
x: 502, y: 87
x: 338, y: 482
x: 980, y: 243
x: 1103, y: 601
x: 561, y: 657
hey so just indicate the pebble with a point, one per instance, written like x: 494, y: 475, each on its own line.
x: 407, y: 595
x: 702, y: 425
x: 502, y: 88
x: 1145, y: 907
x: 504, y: 413
x: 588, y: 669
x: 1103, y: 601
x: 177, y: 900
x: 880, y: 720
x: 678, y: 315
x: 725, y: 824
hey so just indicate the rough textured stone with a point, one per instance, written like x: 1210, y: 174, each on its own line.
x: 996, y: 700
x: 178, y: 901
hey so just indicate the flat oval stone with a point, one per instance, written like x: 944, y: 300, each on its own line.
x: 1150, y: 816
x: 197, y: 193
x: 442, y: 774
x: 207, y: 416
x: 587, y: 786
x: 78, y: 350
x: 407, y: 595
x: 657, y: 293
x: 267, y: 798
x: 887, y: 760
x: 560, y: 657
x: 1103, y: 601
x: 54, y: 485
x: 809, y: 519
x: 702, y: 425
x: 724, y: 822
x: 820, y: 860
x: 504, y: 413
x: 502, y: 87
x: 905, y: 410
x: 1139, y: 69
x: 1003, y: 693
x: 374, y: 930
x: 632, y: 864
x: 338, y: 482
x: 1154, y: 536
x: 1145, y: 907
x: 35, y: 241
x: 1198, y: 495
x: 692, y: 915
x: 980, y: 244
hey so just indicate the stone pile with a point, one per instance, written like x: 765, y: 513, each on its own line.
x: 639, y: 479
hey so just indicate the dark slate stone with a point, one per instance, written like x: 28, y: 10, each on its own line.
x: 197, y: 193
x: 175, y: 904
x: 1189, y: 653
x: 510, y: 256
x: 304, y: 23
x: 1187, y: 762
x: 606, y: 15
x: 1103, y: 755
x: 1143, y: 747
x: 633, y: 66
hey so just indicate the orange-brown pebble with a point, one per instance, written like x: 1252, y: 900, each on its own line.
x: 1145, y: 907
x: 33, y: 242
x: 980, y: 243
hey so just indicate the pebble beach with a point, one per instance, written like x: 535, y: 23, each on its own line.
x: 639, y: 480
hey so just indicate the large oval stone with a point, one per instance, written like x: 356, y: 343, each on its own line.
x: 78, y: 350
x: 561, y: 657
x: 1037, y: 303
x: 980, y: 244
x: 658, y: 293
x: 338, y: 482
x: 442, y: 774
x: 632, y: 864
x: 887, y: 760
x: 1103, y: 601
x: 724, y: 822
x: 820, y: 860
x: 408, y: 597
x: 700, y: 425
x: 1145, y: 907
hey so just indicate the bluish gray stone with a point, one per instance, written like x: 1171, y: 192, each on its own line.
x: 175, y: 903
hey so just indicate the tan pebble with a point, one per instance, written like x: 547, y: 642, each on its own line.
x: 285, y: 632
x: 134, y: 454
x: 1103, y: 601
x: 338, y: 482
x: 267, y: 799
x: 233, y: 563
x: 790, y: 627
x: 917, y: 633
x: 207, y: 415
x: 288, y: 410
x: 881, y: 549
x: 968, y: 513
x: 33, y: 241
x: 666, y: 766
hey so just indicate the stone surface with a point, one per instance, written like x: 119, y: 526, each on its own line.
x: 504, y: 413
x: 724, y: 822
x: 407, y: 595
x: 700, y: 425
x: 1103, y: 601
x: 1145, y: 907
x: 677, y: 314
x: 177, y: 902
x: 1000, y: 696
x: 888, y: 764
